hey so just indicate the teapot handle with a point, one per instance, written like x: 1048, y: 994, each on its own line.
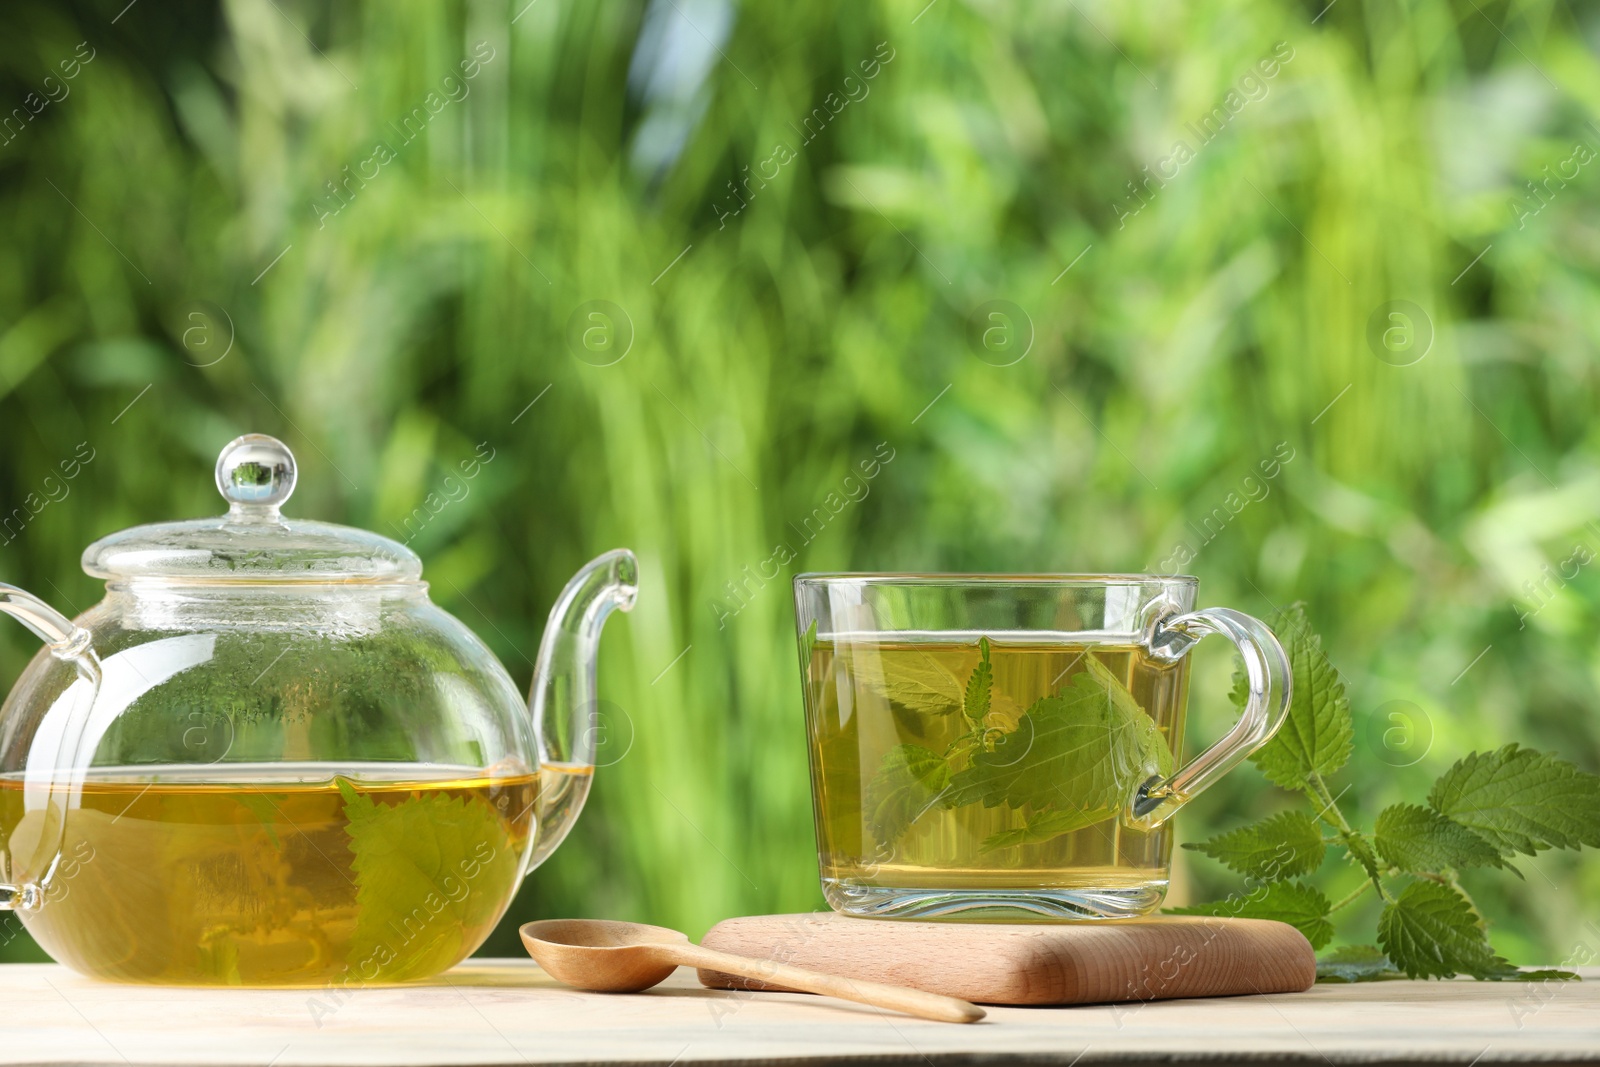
x: 566, y: 719
x: 72, y: 643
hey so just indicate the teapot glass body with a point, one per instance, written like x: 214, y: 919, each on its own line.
x: 274, y: 782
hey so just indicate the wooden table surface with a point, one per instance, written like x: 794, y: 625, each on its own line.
x: 509, y: 1012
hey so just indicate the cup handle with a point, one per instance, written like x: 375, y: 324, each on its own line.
x: 1266, y: 669
x: 71, y: 643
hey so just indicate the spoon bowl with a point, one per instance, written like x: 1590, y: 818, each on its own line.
x: 600, y: 955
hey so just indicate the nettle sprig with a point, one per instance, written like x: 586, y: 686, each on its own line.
x: 1485, y: 810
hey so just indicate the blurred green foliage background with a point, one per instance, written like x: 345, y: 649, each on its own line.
x: 200, y: 236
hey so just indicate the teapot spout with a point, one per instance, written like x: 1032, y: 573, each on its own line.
x: 566, y: 718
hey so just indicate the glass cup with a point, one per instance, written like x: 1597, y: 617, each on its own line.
x: 1007, y: 747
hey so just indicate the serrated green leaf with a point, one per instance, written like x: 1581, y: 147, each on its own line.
x: 1316, y: 736
x: 1286, y: 845
x: 908, y: 722
x: 907, y: 783
x: 1083, y: 751
x: 1431, y: 931
x: 1536, y: 974
x: 1417, y: 839
x: 1520, y: 800
x: 1301, y: 906
x: 918, y: 683
x: 261, y: 807
x: 427, y: 869
x: 976, y: 704
x: 1355, y: 963
x: 1361, y: 853
x: 1240, y: 693
x: 1041, y: 826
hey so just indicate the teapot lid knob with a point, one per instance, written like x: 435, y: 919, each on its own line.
x: 255, y: 473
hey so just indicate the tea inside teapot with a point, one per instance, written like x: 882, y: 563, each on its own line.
x: 284, y: 873
x: 267, y: 758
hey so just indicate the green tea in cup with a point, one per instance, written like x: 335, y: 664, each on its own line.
x: 1007, y: 747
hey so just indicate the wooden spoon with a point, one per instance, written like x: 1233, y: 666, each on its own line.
x: 616, y: 957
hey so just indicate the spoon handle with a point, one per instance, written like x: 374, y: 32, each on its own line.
x: 911, y: 1001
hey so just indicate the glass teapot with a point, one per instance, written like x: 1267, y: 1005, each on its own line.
x: 266, y: 758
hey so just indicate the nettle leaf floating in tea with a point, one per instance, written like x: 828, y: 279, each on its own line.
x: 426, y: 869
x: 1044, y: 825
x: 980, y: 688
x: 908, y: 783
x: 262, y: 808
x: 920, y: 683
x: 1073, y: 760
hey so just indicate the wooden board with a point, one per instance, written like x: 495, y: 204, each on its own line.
x: 1104, y: 962
x: 508, y: 1013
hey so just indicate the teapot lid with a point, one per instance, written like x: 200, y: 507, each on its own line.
x: 252, y: 542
